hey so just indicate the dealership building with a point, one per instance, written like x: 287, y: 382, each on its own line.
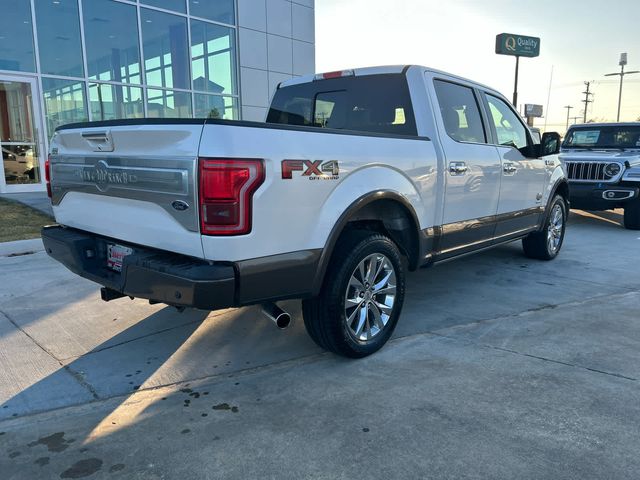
x: 64, y: 61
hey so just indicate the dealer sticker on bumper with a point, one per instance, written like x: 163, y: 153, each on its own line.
x: 115, y: 256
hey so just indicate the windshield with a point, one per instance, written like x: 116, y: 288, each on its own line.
x: 613, y: 136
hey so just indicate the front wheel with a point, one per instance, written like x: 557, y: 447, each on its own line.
x: 546, y: 244
x: 632, y: 215
x: 361, y: 298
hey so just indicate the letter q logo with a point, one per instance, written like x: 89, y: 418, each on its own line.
x: 510, y: 44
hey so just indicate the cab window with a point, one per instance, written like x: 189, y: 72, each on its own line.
x: 460, y: 112
x: 509, y: 129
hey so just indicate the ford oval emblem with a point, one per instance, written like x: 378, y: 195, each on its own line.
x: 180, y: 205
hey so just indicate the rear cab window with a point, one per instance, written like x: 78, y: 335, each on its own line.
x: 372, y: 103
x: 460, y: 112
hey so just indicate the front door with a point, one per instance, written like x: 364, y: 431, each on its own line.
x: 21, y: 138
x: 523, y: 178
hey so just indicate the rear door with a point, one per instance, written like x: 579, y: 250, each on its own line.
x: 523, y: 178
x: 131, y: 181
x: 472, y: 177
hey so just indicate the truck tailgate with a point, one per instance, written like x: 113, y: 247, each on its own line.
x: 132, y: 182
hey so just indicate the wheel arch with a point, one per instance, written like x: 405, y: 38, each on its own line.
x: 560, y: 187
x: 381, y: 211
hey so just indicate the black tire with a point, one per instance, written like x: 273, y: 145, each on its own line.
x: 632, y: 215
x: 325, y: 316
x: 538, y: 244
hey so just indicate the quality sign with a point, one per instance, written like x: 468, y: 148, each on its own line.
x: 518, y: 45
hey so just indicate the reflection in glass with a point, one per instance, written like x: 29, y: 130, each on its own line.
x: 16, y: 117
x: 64, y: 101
x: 215, y: 106
x: 111, y: 36
x: 212, y: 58
x: 17, y: 134
x: 16, y: 37
x: 218, y: 10
x: 20, y: 163
x: 168, y: 104
x: 59, y: 38
x: 110, y: 102
x: 164, y: 38
x: 175, y: 5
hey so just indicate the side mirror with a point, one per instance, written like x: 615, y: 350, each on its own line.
x: 549, y: 144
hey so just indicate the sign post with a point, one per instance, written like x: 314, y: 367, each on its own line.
x: 532, y: 111
x: 517, y: 46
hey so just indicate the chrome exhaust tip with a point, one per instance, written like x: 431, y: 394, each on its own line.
x: 278, y: 316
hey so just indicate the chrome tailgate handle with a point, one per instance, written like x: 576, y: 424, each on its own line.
x: 99, y: 141
x: 457, y: 168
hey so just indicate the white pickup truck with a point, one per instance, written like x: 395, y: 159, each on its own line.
x: 355, y: 177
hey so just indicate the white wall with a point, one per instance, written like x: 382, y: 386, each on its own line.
x: 276, y: 43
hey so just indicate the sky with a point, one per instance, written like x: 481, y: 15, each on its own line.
x: 581, y: 40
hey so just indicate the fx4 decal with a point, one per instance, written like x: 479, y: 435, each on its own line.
x: 314, y: 170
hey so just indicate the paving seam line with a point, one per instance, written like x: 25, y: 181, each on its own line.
x: 541, y: 308
x: 75, y: 375
x: 562, y: 277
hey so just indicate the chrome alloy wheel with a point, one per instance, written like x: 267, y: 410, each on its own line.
x: 370, y: 296
x: 554, y: 231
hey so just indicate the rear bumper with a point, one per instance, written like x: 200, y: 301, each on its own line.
x: 152, y: 274
x: 594, y: 196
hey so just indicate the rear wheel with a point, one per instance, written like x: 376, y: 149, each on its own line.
x: 361, y: 298
x: 632, y: 215
x: 546, y: 244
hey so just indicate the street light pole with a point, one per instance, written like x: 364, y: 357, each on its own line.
x: 622, y: 63
x: 568, y: 107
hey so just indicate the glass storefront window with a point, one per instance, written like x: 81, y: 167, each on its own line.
x: 64, y: 101
x: 59, y: 43
x: 215, y: 106
x: 213, y: 58
x: 16, y: 37
x: 218, y: 10
x: 110, y: 102
x: 175, y: 5
x: 111, y: 36
x: 166, y: 59
x: 18, y: 142
x: 168, y: 104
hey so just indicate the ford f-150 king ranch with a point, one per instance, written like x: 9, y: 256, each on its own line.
x: 602, y: 161
x: 355, y: 177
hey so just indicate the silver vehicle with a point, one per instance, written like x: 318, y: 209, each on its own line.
x: 603, y: 166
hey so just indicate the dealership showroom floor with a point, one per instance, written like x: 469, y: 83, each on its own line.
x: 501, y: 367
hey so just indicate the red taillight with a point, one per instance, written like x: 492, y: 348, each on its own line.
x: 47, y: 174
x: 226, y: 194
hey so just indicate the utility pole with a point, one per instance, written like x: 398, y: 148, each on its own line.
x: 568, y: 107
x: 586, y: 100
x: 573, y: 120
x: 622, y: 63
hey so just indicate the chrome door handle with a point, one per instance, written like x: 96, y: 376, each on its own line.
x: 509, y: 168
x: 457, y: 168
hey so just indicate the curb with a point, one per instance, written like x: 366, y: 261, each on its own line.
x: 21, y: 247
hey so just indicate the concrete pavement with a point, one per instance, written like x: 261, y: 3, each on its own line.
x: 501, y: 367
